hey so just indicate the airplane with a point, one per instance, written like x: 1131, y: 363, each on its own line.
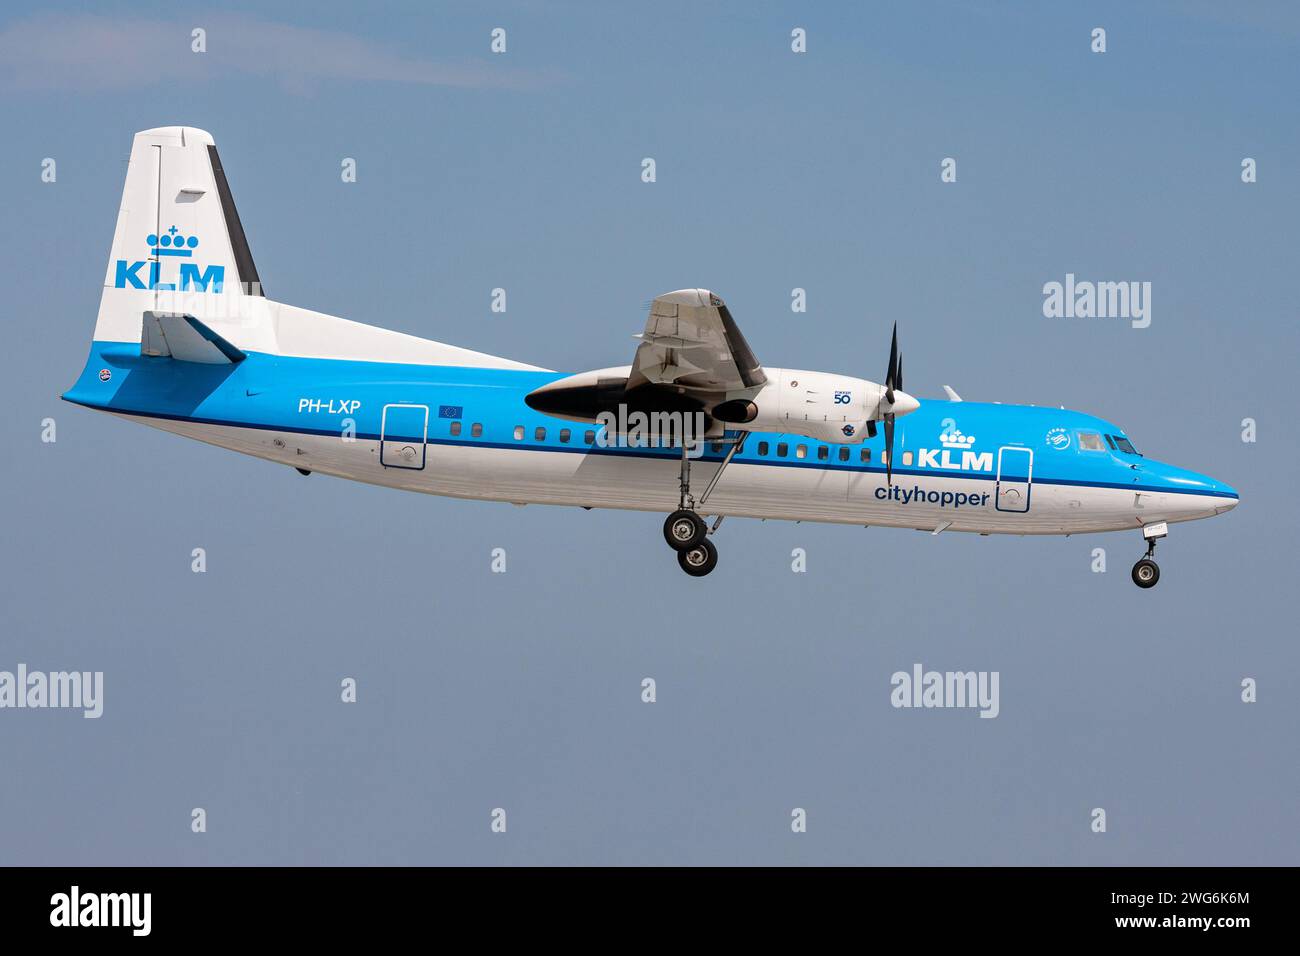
x: 187, y: 341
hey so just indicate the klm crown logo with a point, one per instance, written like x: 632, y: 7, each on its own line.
x: 953, y: 438
x: 169, y: 244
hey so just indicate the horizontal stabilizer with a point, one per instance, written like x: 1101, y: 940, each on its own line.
x: 185, y: 339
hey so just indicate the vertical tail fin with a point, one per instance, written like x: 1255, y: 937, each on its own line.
x: 179, y: 245
x: 181, y: 280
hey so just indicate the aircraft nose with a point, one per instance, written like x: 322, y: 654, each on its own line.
x: 1225, y: 496
x: 904, y: 403
x: 1218, y: 495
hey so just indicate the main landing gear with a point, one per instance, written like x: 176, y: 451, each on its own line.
x: 685, y: 531
x: 1146, y: 572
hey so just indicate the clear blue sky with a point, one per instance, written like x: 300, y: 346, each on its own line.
x: 775, y: 171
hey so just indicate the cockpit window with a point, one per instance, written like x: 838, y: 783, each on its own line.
x: 1124, y: 445
x: 1111, y: 442
x: 1091, y: 441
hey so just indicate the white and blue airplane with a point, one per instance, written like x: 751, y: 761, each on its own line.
x: 187, y: 341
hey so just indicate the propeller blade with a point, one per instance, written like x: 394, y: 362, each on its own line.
x: 898, y: 379
x: 889, y: 448
x: 891, y: 375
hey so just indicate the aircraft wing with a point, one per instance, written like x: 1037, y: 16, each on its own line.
x: 691, y: 342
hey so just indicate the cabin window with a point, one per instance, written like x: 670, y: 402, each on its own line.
x: 801, y: 451
x: 519, y: 433
x: 782, y: 450
x: 476, y: 430
x: 1090, y: 441
x: 907, y: 458
x: 762, y: 449
x: 823, y: 453
x: 866, y: 454
x: 564, y: 436
x: 539, y: 434
x: 589, y: 437
x: 455, y: 428
x: 844, y: 453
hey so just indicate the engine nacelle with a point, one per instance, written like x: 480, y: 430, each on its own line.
x: 582, y: 397
x: 820, y: 405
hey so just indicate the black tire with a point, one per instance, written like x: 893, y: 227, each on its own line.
x: 684, y: 529
x: 699, y: 560
x: 1146, y: 573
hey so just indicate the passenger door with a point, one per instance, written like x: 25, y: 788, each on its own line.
x: 1015, y: 474
x: 402, y: 434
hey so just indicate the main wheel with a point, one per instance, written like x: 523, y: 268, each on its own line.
x: 684, y: 529
x: 1146, y: 573
x: 699, y: 560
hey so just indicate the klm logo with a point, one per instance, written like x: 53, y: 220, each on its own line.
x: 170, y: 244
x: 956, y: 453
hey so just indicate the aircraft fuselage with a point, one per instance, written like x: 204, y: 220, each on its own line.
x: 467, y: 432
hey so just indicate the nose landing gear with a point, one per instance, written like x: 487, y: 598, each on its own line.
x: 1146, y: 573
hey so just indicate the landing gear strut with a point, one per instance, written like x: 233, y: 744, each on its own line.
x: 1146, y: 572
x: 684, y: 530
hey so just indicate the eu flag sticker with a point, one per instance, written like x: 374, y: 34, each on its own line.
x: 451, y: 411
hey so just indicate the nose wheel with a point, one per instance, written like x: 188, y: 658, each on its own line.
x: 1146, y: 573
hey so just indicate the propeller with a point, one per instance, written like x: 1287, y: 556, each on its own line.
x: 898, y: 402
x: 893, y: 367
